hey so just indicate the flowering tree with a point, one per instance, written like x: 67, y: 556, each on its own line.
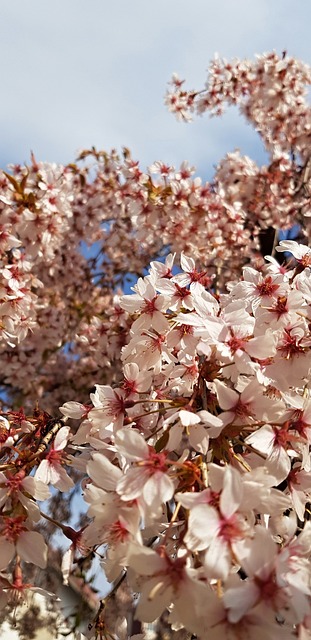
x: 184, y: 405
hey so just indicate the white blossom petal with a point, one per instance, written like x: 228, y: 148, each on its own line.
x: 32, y: 548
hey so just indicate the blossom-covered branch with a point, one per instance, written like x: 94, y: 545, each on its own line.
x: 185, y: 404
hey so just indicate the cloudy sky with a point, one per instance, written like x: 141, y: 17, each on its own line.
x: 77, y: 73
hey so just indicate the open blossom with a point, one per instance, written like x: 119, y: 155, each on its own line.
x: 283, y: 311
x: 194, y: 427
x: 148, y: 351
x: 239, y: 345
x: 106, y: 506
x: 217, y: 530
x: 24, y: 489
x: 149, y: 304
x: 109, y: 408
x: 164, y: 581
x: 180, y: 296
x: 15, y: 538
x: 299, y: 251
x: 259, y: 566
x: 274, y: 442
x: 135, y: 381
x: 190, y: 274
x: 259, y: 290
x: 251, y: 405
x: 51, y: 470
x: 115, y: 522
x: 148, y: 475
x: 266, y: 584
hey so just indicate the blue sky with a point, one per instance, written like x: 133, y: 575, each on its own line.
x: 78, y: 73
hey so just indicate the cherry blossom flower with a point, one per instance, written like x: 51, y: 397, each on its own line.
x: 150, y: 306
x: 251, y: 405
x: 135, y: 381
x: 19, y: 487
x: 50, y: 470
x: 274, y: 442
x: 261, y: 562
x: 196, y: 429
x: 217, y: 532
x: 109, y: 408
x: 165, y: 580
x: 299, y: 251
x: 15, y: 538
x: 149, y: 473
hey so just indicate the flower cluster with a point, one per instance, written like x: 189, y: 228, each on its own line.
x: 194, y: 443
x: 204, y: 449
x: 60, y: 316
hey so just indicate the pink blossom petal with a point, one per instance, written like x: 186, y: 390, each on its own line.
x: 43, y: 472
x: 32, y: 548
x: 198, y: 438
x: 232, y: 494
x: 257, y: 555
x: 279, y: 463
x: 227, y: 397
x: 203, y: 526
x: 145, y: 561
x: 239, y: 599
x: 61, y: 438
x: 103, y: 472
x: 188, y: 418
x: 261, y: 347
x: 174, y: 438
x: 36, y: 488
x: 158, y: 488
x: 217, y: 560
x: 131, y: 485
x: 131, y: 444
x: 7, y: 551
x: 187, y: 264
x: 156, y: 596
x: 63, y: 482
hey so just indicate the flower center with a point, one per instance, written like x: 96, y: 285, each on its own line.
x: 266, y: 287
x: 13, y: 528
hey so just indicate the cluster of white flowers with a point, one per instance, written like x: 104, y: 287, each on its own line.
x: 195, y: 442
x: 204, y: 449
x: 271, y: 85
